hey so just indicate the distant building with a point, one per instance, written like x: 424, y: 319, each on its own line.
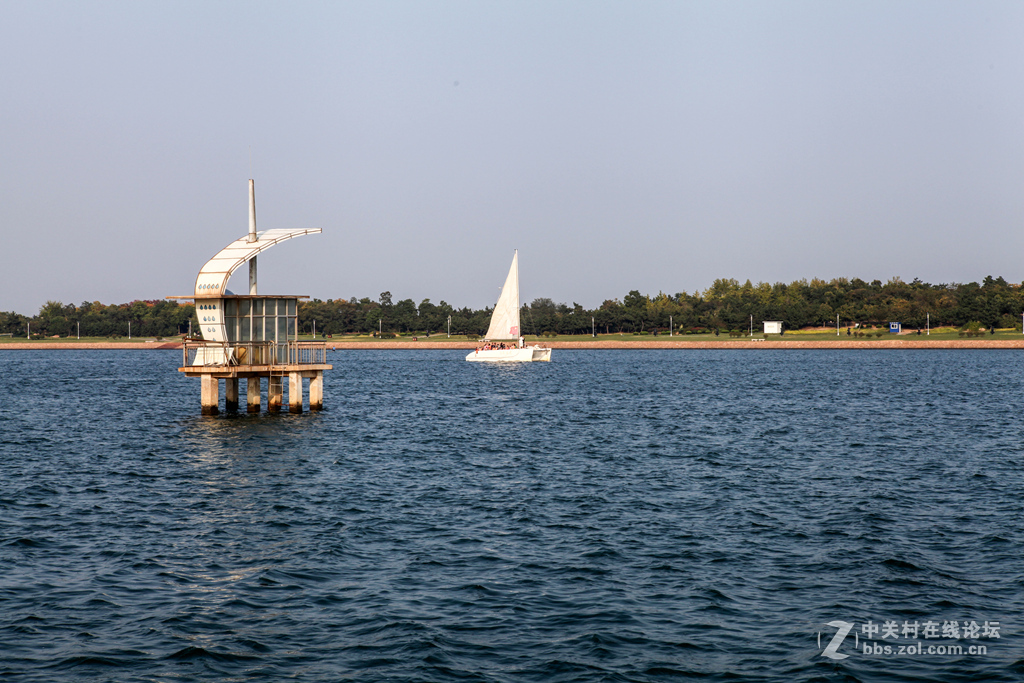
x: 895, y: 328
x: 773, y: 327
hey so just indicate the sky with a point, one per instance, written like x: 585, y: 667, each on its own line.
x: 654, y: 146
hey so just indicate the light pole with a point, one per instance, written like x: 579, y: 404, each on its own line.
x: 380, y: 326
x: 837, y: 324
x: 929, y: 324
x: 79, y: 334
x: 751, y: 324
x: 129, y: 329
x: 593, y: 328
x: 449, y: 327
x: 28, y: 330
x: 670, y: 326
x: 314, y: 329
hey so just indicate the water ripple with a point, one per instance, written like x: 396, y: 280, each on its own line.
x: 611, y: 516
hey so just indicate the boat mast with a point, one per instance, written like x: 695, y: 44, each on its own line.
x: 515, y: 255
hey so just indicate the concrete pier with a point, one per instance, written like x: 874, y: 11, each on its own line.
x: 231, y: 394
x: 210, y: 399
x: 316, y: 392
x: 253, y: 375
x: 252, y: 394
x: 294, y: 392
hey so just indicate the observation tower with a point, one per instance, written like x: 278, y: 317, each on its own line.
x: 252, y: 335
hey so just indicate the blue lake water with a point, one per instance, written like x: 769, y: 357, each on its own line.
x: 610, y: 516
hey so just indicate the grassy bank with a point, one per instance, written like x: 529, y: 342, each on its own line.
x: 819, y: 338
x: 89, y: 340
x: 810, y: 335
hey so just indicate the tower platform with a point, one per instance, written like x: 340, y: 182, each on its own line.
x: 216, y: 361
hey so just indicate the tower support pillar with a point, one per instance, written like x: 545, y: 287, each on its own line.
x: 210, y: 395
x: 294, y: 392
x: 252, y: 394
x: 316, y: 391
x: 231, y: 394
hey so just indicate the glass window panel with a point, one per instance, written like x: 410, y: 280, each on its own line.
x: 257, y: 306
x: 269, y: 329
x: 270, y: 307
x: 282, y: 329
x: 243, y: 307
x: 291, y: 327
x: 243, y: 331
x: 232, y: 328
x: 291, y: 307
x: 257, y: 328
x: 231, y: 307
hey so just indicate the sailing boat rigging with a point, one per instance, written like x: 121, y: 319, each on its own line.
x: 503, y: 341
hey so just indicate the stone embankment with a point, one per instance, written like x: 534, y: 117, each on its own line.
x: 70, y: 346
x: 598, y: 344
x: 725, y: 344
x: 793, y: 344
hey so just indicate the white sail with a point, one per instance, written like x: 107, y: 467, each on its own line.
x: 505, y: 319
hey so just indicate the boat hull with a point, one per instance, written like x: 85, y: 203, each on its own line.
x: 525, y: 355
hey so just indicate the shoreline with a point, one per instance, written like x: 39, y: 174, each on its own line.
x: 619, y: 345
x: 735, y: 344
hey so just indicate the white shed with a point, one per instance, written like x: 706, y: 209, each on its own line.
x: 773, y: 327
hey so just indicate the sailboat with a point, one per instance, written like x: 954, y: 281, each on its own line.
x: 503, y: 342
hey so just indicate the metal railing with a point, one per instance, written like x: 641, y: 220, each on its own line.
x: 307, y: 353
x: 210, y: 353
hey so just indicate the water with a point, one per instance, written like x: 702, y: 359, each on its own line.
x: 610, y: 516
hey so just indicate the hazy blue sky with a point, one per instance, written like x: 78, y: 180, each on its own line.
x: 618, y: 145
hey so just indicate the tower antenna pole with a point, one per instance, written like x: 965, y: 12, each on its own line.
x: 252, y: 235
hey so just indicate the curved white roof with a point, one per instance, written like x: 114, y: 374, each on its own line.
x: 213, y: 277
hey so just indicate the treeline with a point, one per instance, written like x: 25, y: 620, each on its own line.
x: 726, y: 305
x: 156, y: 318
